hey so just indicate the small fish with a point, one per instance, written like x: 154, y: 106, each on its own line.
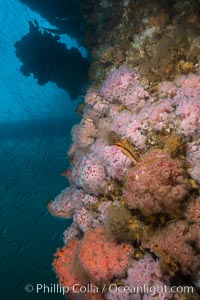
x: 23, y: 212
x: 129, y: 151
x: 54, y: 236
x: 36, y: 23
x: 46, y: 214
x: 35, y: 222
x: 61, y: 19
x: 10, y: 243
x: 21, y: 250
x: 20, y: 284
x: 64, y: 173
x: 7, y: 188
x: 54, y: 30
x: 4, y: 231
x: 27, y: 244
x: 4, y: 261
x: 26, y: 163
x: 22, y: 197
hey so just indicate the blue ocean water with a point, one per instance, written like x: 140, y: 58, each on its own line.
x: 35, y: 125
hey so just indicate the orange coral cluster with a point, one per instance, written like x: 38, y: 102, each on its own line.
x: 91, y: 260
x: 101, y: 259
x: 64, y: 264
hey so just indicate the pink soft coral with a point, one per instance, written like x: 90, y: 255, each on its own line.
x: 147, y: 272
x: 94, y: 99
x: 189, y: 112
x: 103, y: 176
x: 115, y: 162
x: 83, y: 219
x: 90, y: 175
x: 71, y: 233
x: 68, y: 201
x: 157, y: 184
x: 144, y: 272
x: 62, y: 205
x: 174, y: 244
x: 85, y: 133
x: 123, y: 85
x: 193, y: 156
x: 192, y: 212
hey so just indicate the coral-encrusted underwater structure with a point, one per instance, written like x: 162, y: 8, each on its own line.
x: 134, y: 191
x: 135, y: 157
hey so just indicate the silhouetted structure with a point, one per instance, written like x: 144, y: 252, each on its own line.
x: 49, y: 60
x: 65, y: 14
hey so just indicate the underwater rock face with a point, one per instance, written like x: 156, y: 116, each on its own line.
x: 159, y: 38
x: 134, y: 153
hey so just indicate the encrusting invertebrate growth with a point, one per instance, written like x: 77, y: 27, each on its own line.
x: 133, y: 203
x: 133, y: 193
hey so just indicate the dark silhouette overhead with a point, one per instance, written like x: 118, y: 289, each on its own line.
x: 65, y: 14
x: 49, y: 60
